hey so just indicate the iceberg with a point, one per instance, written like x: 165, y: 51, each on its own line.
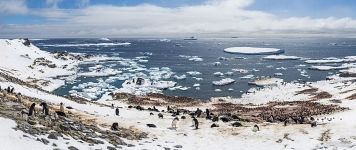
x: 192, y: 58
x: 253, y: 50
x: 193, y: 73
x: 222, y: 82
x: 281, y: 57
x: 180, y: 77
x: 266, y: 82
x: 104, y: 39
x: 164, y: 40
x: 218, y: 74
x: 332, y: 60
x: 327, y: 68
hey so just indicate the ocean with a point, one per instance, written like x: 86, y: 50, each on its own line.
x: 182, y: 56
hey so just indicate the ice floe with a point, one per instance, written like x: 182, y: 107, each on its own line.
x: 266, y: 82
x: 88, y: 44
x: 191, y: 58
x: 141, y: 86
x: 332, y: 60
x: 181, y: 77
x: 222, y: 82
x: 281, y: 57
x: 247, y: 76
x: 218, y: 74
x: 164, y: 40
x: 253, y: 50
x: 327, y: 68
x: 243, y: 71
x: 100, y: 72
x: 193, y: 73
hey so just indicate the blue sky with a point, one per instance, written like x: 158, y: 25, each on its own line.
x: 57, y: 15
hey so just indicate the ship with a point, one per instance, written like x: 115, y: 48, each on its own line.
x: 191, y: 38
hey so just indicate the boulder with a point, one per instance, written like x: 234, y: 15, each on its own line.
x: 236, y: 124
x: 178, y: 146
x: 151, y: 125
x: 26, y: 42
x: 110, y: 148
x: 32, y: 122
x: 52, y: 136
x: 214, y: 125
x: 44, y: 141
x: 72, y: 148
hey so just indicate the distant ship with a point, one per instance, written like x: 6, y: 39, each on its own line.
x: 234, y: 37
x: 191, y: 38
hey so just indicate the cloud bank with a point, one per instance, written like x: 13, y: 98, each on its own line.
x: 213, y: 18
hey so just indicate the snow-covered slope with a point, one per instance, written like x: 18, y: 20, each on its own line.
x: 29, y: 63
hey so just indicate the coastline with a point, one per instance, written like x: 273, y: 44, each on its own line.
x: 330, y: 99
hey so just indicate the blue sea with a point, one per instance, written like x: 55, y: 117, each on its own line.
x: 167, y: 54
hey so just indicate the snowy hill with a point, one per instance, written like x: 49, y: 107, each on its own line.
x: 27, y: 62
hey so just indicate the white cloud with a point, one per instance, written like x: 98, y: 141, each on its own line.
x: 13, y: 7
x: 82, y: 3
x: 215, y: 17
x: 53, y: 3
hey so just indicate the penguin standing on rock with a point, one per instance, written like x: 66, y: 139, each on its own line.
x: 61, y: 107
x: 117, y: 111
x: 196, y: 123
x: 32, y: 109
x: 44, y: 108
x: 174, y: 122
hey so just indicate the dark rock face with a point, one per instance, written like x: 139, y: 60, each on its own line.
x: 215, y: 119
x: 214, y: 125
x: 44, y: 141
x: 27, y: 42
x: 346, y: 74
x: 178, y: 146
x: 151, y: 125
x: 225, y: 119
x: 64, y: 127
x: 72, y: 148
x: 32, y: 122
x: 52, y: 136
x: 236, y: 124
x: 110, y: 148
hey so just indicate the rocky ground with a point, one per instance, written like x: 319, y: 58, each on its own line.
x: 77, y: 125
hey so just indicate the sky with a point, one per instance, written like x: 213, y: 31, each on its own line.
x: 176, y: 18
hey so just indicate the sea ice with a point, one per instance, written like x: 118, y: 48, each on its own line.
x: 253, y: 50
x: 281, y: 57
x: 222, y: 82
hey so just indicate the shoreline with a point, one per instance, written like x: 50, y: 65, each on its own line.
x: 282, y: 113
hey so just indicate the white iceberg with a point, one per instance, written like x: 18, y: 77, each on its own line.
x: 100, y: 73
x: 240, y: 70
x: 266, y: 82
x: 247, y: 76
x: 193, y: 73
x: 278, y: 74
x: 217, y: 90
x: 327, y: 68
x: 218, y: 74
x: 281, y: 57
x: 222, y: 82
x: 192, y: 58
x: 104, y: 39
x: 164, y: 40
x: 253, y: 50
x: 180, y: 77
x: 332, y: 60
